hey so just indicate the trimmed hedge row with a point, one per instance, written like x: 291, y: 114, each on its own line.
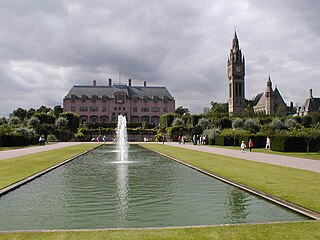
x: 281, y: 143
x: 17, y: 140
x: 294, y: 144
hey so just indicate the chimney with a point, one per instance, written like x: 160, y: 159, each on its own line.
x: 110, y: 82
x: 94, y: 83
x: 145, y: 83
x: 129, y: 82
x: 311, y: 93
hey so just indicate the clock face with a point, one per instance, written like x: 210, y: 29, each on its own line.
x: 238, y: 69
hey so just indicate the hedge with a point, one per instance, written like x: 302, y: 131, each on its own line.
x: 285, y: 143
x: 17, y: 140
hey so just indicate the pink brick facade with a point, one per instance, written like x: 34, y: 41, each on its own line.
x: 104, y: 103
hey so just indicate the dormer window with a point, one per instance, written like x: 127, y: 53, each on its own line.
x: 135, y: 98
x: 165, y: 99
x: 73, y: 98
x: 119, y: 98
x: 145, y: 98
x: 83, y: 98
x: 155, y: 99
x: 104, y: 98
x: 94, y: 98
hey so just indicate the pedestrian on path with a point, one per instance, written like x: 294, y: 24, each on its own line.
x: 243, y: 146
x: 268, y: 143
x: 250, y: 144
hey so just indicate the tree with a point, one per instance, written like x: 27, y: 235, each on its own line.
x: 14, y: 120
x: 290, y: 123
x: 251, y: 125
x: 73, y: 120
x: 203, y: 123
x: 61, y: 123
x: 219, y: 109
x: 44, y: 109
x: 237, y: 123
x: 308, y: 134
x: 277, y: 125
x: 20, y: 113
x: 178, y: 122
x: 57, y: 110
x: 182, y: 111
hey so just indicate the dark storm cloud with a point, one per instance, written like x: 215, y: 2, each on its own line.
x: 48, y: 46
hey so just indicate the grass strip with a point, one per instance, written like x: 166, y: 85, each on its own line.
x: 310, y: 155
x: 292, y: 231
x: 16, y: 169
x: 293, y: 185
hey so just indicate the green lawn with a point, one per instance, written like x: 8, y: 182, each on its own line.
x: 311, y: 155
x: 15, y: 169
x: 283, y: 231
x: 293, y: 185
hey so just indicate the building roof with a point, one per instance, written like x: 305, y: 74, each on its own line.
x: 109, y: 91
x: 312, y: 104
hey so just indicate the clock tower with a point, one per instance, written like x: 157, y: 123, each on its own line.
x: 236, y: 73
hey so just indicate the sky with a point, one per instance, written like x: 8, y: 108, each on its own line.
x: 46, y: 47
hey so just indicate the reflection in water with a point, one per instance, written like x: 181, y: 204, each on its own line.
x: 98, y: 191
x: 122, y: 192
x: 237, y: 204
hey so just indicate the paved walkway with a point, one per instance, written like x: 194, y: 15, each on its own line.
x: 300, y: 163
x: 293, y: 162
x: 29, y: 150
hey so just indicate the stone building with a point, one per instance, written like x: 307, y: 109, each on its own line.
x: 104, y: 103
x: 269, y: 102
x: 311, y: 105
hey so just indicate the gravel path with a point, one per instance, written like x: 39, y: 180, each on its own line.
x: 293, y: 162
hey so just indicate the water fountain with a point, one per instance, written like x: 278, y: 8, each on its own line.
x: 122, y: 139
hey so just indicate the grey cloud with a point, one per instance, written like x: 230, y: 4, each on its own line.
x: 47, y: 46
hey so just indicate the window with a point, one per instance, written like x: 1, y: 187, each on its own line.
x: 155, y: 99
x: 165, y: 109
x: 73, y: 109
x: 93, y: 109
x: 119, y: 98
x: 104, y: 98
x: 94, y: 98
x: 83, y: 98
x: 134, y: 98
x: 144, y: 109
x: 83, y: 109
x: 155, y: 109
x: 134, y: 109
x: 104, y: 109
x: 165, y: 99
x: 145, y: 99
x: 115, y: 108
x: 73, y: 98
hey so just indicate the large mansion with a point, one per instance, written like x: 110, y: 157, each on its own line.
x: 104, y: 103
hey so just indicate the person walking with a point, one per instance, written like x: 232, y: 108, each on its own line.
x: 243, y: 146
x: 268, y: 143
x: 250, y: 144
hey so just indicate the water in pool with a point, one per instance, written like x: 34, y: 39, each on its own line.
x: 97, y: 191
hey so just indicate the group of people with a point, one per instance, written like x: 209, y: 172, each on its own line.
x: 182, y: 139
x: 197, y: 140
x: 243, y: 146
x: 99, y: 139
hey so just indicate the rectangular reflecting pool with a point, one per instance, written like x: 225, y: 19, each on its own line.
x: 96, y: 191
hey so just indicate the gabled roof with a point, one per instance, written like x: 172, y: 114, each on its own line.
x: 312, y: 104
x: 109, y: 91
